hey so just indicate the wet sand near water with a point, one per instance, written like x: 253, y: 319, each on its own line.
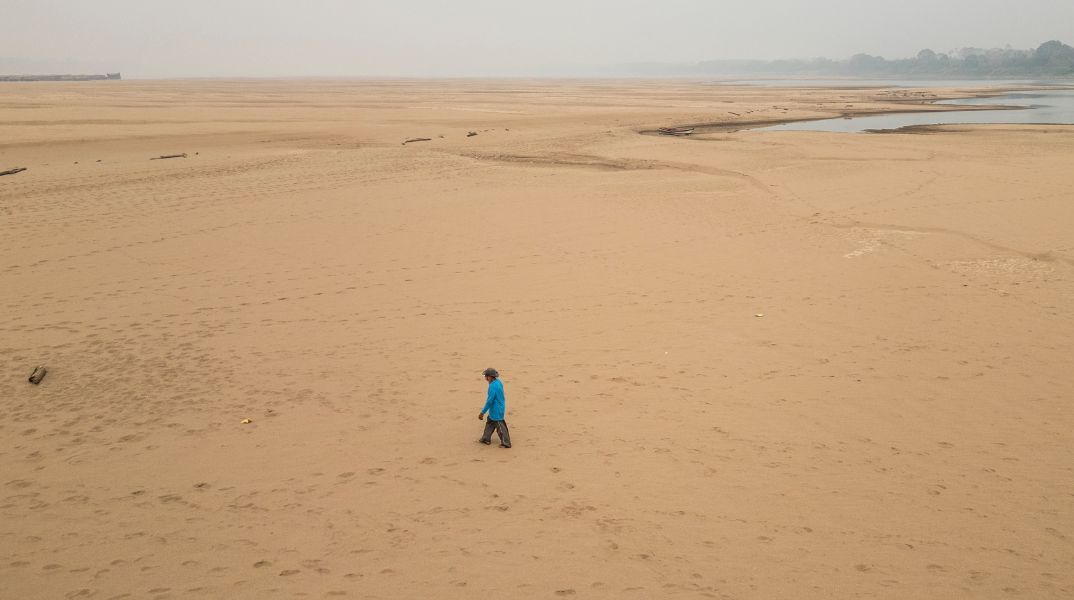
x: 737, y: 365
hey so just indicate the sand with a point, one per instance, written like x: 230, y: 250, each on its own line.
x: 739, y: 365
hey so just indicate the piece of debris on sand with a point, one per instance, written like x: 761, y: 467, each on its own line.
x: 412, y: 140
x: 12, y: 171
x: 165, y: 156
x: 38, y: 374
x: 471, y: 133
x: 676, y: 130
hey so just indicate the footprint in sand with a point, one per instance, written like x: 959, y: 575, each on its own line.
x: 936, y: 490
x: 1055, y: 532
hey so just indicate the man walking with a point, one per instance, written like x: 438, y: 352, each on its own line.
x: 495, y: 406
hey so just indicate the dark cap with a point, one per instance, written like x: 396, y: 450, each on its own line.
x: 490, y: 372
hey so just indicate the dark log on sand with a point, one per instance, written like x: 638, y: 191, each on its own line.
x: 12, y: 171
x: 471, y: 134
x: 676, y: 130
x: 417, y: 140
x: 38, y: 375
x: 163, y: 156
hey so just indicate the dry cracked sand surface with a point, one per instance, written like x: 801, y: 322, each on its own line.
x: 896, y: 425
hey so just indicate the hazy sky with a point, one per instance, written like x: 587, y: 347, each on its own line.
x: 190, y: 38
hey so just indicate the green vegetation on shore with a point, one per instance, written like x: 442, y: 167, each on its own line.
x: 1050, y: 59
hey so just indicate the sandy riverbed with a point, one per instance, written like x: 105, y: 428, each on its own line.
x: 896, y: 425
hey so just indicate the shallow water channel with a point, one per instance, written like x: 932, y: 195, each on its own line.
x: 1052, y: 107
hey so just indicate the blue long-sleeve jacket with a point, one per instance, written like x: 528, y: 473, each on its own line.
x: 496, y: 404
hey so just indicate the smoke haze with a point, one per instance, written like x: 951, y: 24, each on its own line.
x: 198, y: 38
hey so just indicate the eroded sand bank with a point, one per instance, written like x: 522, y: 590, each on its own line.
x: 896, y: 425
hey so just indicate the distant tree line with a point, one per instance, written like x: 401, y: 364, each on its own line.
x: 1050, y: 59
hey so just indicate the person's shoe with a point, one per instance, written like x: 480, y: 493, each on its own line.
x: 485, y: 442
x: 504, y: 446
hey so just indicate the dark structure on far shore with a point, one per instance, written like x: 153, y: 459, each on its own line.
x: 107, y: 76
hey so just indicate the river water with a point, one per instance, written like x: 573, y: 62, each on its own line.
x: 896, y: 83
x: 1051, y: 107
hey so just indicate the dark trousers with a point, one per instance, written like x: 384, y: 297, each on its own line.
x: 501, y: 430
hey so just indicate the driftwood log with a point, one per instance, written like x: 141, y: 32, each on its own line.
x: 417, y: 140
x: 12, y: 171
x: 675, y: 130
x: 164, y: 156
x: 38, y: 375
x: 471, y: 133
